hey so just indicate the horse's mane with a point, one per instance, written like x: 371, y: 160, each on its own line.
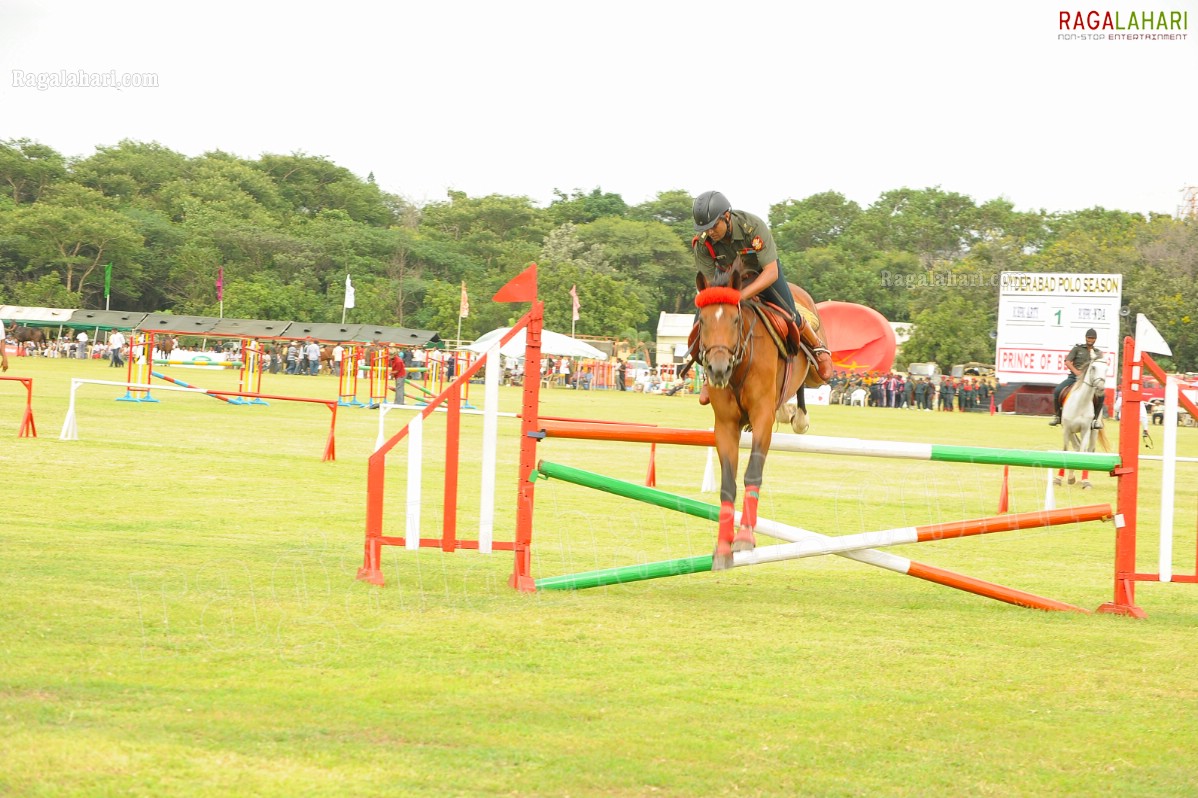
x: 724, y: 278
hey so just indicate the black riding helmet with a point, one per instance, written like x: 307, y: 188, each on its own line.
x: 709, y: 207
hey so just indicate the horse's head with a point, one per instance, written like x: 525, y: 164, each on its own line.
x: 1095, y: 376
x: 721, y: 341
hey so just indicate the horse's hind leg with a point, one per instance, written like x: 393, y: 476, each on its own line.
x: 799, y: 422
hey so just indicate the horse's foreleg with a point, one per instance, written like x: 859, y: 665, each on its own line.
x: 754, y: 472
x: 727, y: 442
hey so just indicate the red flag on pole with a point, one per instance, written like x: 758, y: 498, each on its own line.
x: 521, y: 288
x: 464, y: 306
x: 220, y: 283
x: 574, y: 296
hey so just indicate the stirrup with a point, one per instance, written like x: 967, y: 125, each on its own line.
x: 823, y: 366
x: 1097, y: 423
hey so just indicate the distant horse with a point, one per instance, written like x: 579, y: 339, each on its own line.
x: 1077, y: 418
x: 750, y: 380
x: 326, y: 357
x: 165, y: 345
x: 24, y: 336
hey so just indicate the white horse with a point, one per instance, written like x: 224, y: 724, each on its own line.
x: 1077, y: 418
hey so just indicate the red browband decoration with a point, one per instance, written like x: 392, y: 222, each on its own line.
x: 717, y: 295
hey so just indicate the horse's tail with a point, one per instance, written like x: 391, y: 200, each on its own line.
x: 1102, y: 440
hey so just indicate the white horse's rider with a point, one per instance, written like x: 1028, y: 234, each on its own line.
x: 1077, y: 361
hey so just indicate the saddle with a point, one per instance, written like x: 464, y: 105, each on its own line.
x: 784, y: 331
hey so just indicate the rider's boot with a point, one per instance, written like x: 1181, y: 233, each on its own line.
x: 1097, y: 421
x: 823, y: 357
x: 1056, y: 417
x: 704, y: 398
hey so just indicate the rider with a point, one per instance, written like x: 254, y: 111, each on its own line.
x: 721, y: 235
x: 1077, y: 361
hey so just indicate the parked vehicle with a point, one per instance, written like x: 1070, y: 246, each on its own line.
x: 637, y: 372
x: 929, y: 371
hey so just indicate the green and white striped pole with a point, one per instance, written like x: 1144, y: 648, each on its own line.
x: 808, y: 544
x: 822, y: 444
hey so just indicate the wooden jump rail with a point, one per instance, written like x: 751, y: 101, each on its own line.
x: 786, y: 442
x: 804, y: 543
x: 1128, y: 474
x: 70, y: 427
x: 27, y: 429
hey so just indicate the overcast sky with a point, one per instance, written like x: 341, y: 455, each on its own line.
x: 764, y: 101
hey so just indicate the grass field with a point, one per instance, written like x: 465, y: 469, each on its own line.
x: 179, y: 616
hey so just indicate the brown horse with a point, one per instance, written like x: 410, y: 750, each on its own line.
x: 326, y: 358
x: 750, y: 379
x: 29, y: 335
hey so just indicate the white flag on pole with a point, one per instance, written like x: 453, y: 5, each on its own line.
x: 349, y: 293
x: 1148, y: 339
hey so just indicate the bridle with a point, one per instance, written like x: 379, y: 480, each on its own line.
x: 743, y: 348
x: 1093, y: 376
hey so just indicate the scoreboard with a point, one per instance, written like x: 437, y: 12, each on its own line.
x: 1041, y: 316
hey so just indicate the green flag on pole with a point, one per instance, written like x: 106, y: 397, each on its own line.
x: 107, y: 280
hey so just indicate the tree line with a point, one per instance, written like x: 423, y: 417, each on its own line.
x: 286, y: 229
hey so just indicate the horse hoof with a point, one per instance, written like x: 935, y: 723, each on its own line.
x: 1072, y: 480
x: 800, y: 425
x: 1057, y: 481
x: 744, y: 542
x: 1086, y: 486
x: 721, y: 562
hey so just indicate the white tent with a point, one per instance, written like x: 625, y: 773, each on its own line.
x: 551, y: 344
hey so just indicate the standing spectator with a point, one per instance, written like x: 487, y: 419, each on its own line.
x: 81, y: 345
x: 314, y: 357
x: 399, y: 374
x: 116, y: 342
x: 3, y: 347
x: 451, y: 364
x: 338, y: 355
x: 621, y: 374
x: 967, y: 395
x: 921, y: 393
x: 292, y: 358
x: 565, y: 372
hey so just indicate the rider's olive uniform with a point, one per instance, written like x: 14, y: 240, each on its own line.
x: 1080, y: 356
x: 749, y: 237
